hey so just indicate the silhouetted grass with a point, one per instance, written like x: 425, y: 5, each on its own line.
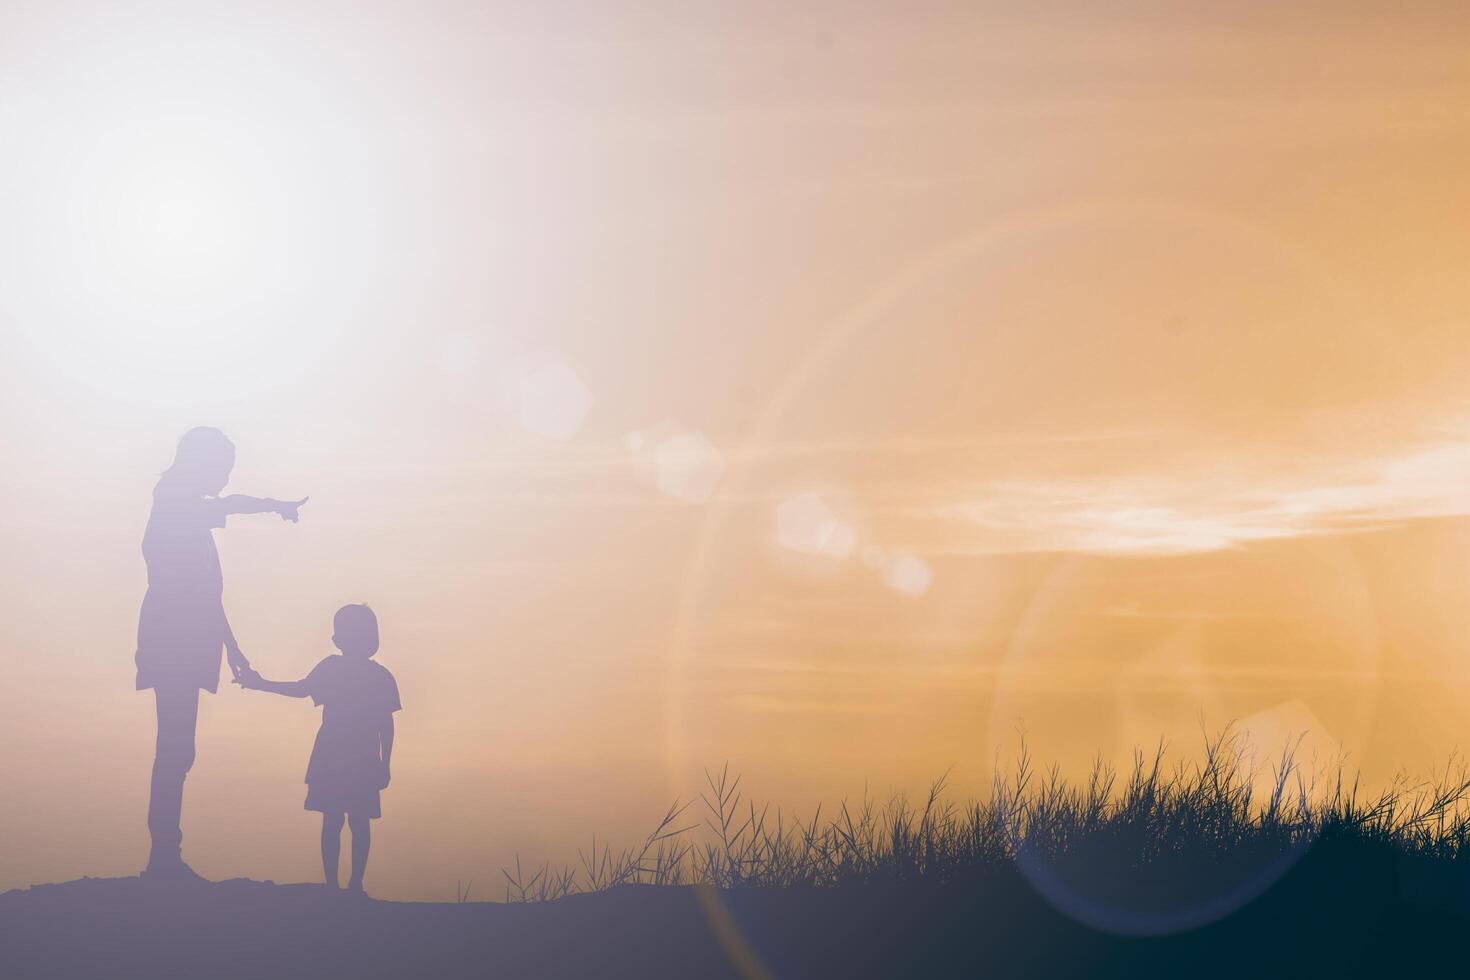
x: 1151, y: 837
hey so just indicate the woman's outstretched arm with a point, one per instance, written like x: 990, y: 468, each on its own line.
x: 239, y: 503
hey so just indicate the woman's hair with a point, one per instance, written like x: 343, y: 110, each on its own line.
x: 203, y: 452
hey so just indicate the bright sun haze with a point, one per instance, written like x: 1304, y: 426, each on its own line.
x: 830, y: 395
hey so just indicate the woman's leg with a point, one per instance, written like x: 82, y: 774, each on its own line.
x: 331, y: 846
x: 362, y: 840
x: 178, y: 715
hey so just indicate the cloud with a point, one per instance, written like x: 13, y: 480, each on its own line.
x: 1222, y: 507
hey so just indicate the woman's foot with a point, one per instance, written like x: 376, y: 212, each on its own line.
x: 354, y: 888
x: 167, y: 867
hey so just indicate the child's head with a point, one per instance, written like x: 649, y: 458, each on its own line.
x: 355, y: 631
x: 203, y: 461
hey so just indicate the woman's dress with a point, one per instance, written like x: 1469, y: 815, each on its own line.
x: 181, y: 626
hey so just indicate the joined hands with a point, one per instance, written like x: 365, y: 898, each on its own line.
x: 248, y: 677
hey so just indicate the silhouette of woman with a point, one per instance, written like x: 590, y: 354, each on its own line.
x: 182, y: 627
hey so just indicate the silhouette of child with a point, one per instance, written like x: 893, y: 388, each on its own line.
x: 350, y: 761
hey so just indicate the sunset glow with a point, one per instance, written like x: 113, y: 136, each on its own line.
x: 833, y: 397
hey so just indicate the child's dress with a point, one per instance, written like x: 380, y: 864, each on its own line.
x: 358, y: 697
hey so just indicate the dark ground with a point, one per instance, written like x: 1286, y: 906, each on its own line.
x: 1365, y: 917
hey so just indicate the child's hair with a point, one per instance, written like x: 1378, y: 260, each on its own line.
x: 202, y: 451
x: 356, y: 626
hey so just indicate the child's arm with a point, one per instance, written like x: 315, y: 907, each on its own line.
x: 387, y: 737
x: 239, y: 503
x: 251, y: 680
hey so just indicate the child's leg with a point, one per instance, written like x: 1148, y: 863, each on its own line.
x: 331, y: 846
x: 362, y: 839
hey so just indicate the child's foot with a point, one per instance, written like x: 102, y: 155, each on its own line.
x: 354, y: 888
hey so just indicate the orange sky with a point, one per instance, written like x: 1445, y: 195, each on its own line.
x: 828, y: 392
